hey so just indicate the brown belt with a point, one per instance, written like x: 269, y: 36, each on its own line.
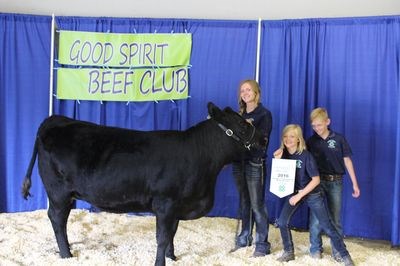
x: 331, y: 177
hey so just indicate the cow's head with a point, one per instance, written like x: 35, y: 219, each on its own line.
x: 236, y: 127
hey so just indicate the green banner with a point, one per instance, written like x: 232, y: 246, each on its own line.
x: 123, y: 84
x: 124, y: 50
x: 123, y: 67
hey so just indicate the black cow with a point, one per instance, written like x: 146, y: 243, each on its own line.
x: 170, y: 173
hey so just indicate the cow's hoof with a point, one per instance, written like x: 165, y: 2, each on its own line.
x: 171, y: 256
x: 66, y: 255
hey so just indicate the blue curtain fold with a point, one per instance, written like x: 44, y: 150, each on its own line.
x: 24, y: 101
x: 348, y: 65
x: 395, y: 228
x: 351, y: 67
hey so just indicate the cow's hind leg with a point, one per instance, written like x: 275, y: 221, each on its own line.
x: 170, y: 252
x: 165, y: 222
x: 58, y: 214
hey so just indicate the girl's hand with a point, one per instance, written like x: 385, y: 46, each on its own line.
x: 295, y: 199
x: 278, y: 153
x: 250, y: 121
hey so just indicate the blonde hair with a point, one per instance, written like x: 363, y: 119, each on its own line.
x: 319, y: 113
x: 256, y: 89
x: 301, y: 146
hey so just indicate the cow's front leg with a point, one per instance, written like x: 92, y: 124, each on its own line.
x: 165, y: 222
x: 170, y: 253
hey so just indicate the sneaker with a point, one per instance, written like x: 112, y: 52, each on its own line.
x: 316, y: 255
x: 262, y: 249
x: 337, y: 257
x: 258, y: 254
x: 286, y: 256
x: 347, y: 261
x: 239, y: 245
x: 236, y: 248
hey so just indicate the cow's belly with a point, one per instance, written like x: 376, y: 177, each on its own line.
x: 123, y: 207
x: 118, y: 201
x: 193, y: 209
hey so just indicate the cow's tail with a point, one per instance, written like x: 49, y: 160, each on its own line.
x: 27, y: 181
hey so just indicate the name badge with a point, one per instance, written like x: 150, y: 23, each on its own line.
x: 283, y: 173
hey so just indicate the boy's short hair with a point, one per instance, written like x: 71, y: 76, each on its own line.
x: 319, y: 113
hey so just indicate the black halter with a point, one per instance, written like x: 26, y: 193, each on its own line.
x: 246, y: 143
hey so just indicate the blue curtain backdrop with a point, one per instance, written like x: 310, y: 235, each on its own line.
x: 350, y: 66
x: 24, y: 101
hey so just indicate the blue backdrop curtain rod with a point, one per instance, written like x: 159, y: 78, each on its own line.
x: 51, y: 78
x: 258, y: 50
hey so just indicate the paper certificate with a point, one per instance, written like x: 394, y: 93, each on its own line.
x: 283, y: 172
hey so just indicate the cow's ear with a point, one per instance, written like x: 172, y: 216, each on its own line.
x: 228, y: 110
x: 212, y: 109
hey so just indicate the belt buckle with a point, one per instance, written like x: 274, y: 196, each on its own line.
x: 330, y: 177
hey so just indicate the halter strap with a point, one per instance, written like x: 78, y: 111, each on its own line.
x: 247, y: 144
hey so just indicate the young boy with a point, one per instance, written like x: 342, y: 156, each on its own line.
x: 332, y: 154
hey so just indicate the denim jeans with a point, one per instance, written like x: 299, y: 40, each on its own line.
x: 333, y: 192
x: 249, y: 178
x: 318, y: 206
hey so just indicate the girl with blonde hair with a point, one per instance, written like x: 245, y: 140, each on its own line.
x: 249, y: 172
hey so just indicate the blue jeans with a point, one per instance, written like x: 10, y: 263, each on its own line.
x: 249, y: 178
x: 333, y: 192
x: 317, y: 204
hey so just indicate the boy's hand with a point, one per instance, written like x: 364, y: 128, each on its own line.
x: 278, y: 153
x: 356, y: 191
